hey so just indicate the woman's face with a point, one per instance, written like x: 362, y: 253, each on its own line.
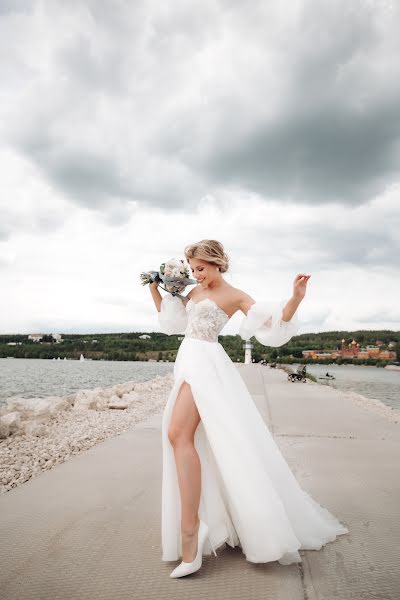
x: 203, y: 271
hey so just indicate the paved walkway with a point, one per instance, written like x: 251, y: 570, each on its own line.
x: 90, y: 527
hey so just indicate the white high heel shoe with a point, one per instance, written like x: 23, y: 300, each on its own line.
x: 186, y: 568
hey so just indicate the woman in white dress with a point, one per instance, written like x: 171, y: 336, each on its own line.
x: 225, y: 480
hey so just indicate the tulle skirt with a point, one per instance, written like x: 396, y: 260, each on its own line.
x: 249, y: 495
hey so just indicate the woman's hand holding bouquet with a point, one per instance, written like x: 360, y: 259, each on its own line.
x: 174, y: 274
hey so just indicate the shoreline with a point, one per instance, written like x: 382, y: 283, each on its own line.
x: 44, y: 432
x: 372, y: 404
x: 36, y: 434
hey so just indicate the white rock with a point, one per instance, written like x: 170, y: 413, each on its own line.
x: 85, y: 399
x: 103, y: 393
x: 12, y: 419
x: 114, y: 399
x: 88, y: 399
x: 107, y: 393
x: 36, y: 448
x: 130, y: 386
x: 155, y: 385
x: 21, y: 404
x: 70, y: 398
x: 33, y: 428
x: 122, y: 388
x: 142, y: 386
x: 131, y: 398
x: 119, y: 404
x: 59, y: 405
x: 4, y: 430
x: 36, y: 407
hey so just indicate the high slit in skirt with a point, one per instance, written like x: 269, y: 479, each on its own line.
x: 249, y: 495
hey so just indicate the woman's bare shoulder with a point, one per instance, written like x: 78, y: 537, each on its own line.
x: 242, y: 300
x: 238, y: 294
x: 192, y: 293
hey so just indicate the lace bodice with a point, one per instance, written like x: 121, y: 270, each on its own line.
x: 205, y: 320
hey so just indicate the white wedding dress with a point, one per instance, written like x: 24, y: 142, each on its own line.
x: 249, y: 496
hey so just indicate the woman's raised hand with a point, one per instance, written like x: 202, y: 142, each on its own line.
x: 300, y: 286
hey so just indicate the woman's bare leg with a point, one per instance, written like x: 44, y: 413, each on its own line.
x: 184, y: 421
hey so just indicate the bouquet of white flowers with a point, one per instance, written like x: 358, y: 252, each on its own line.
x: 174, y: 274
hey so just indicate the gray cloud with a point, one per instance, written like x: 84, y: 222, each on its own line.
x: 33, y: 221
x: 16, y: 6
x: 329, y: 247
x: 335, y: 137
x: 88, y: 68
x: 327, y: 239
x: 81, y: 175
x: 332, y: 155
x: 128, y: 108
x: 379, y: 316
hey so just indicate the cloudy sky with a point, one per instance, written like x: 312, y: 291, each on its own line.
x: 130, y: 129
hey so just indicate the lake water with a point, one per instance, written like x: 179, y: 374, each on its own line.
x: 31, y: 378
x: 372, y: 382
x: 37, y: 377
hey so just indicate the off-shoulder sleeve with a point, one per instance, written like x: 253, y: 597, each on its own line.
x: 173, y: 316
x: 264, y: 321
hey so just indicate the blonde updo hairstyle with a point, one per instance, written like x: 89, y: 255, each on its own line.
x: 210, y: 251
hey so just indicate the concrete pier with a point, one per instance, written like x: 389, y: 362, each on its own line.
x: 90, y: 528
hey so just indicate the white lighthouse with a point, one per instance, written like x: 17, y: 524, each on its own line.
x: 247, y: 352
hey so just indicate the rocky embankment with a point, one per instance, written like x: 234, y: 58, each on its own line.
x: 38, y: 433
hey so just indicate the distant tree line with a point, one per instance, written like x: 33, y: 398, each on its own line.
x: 162, y: 347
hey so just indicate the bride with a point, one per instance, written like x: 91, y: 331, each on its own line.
x: 225, y: 480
